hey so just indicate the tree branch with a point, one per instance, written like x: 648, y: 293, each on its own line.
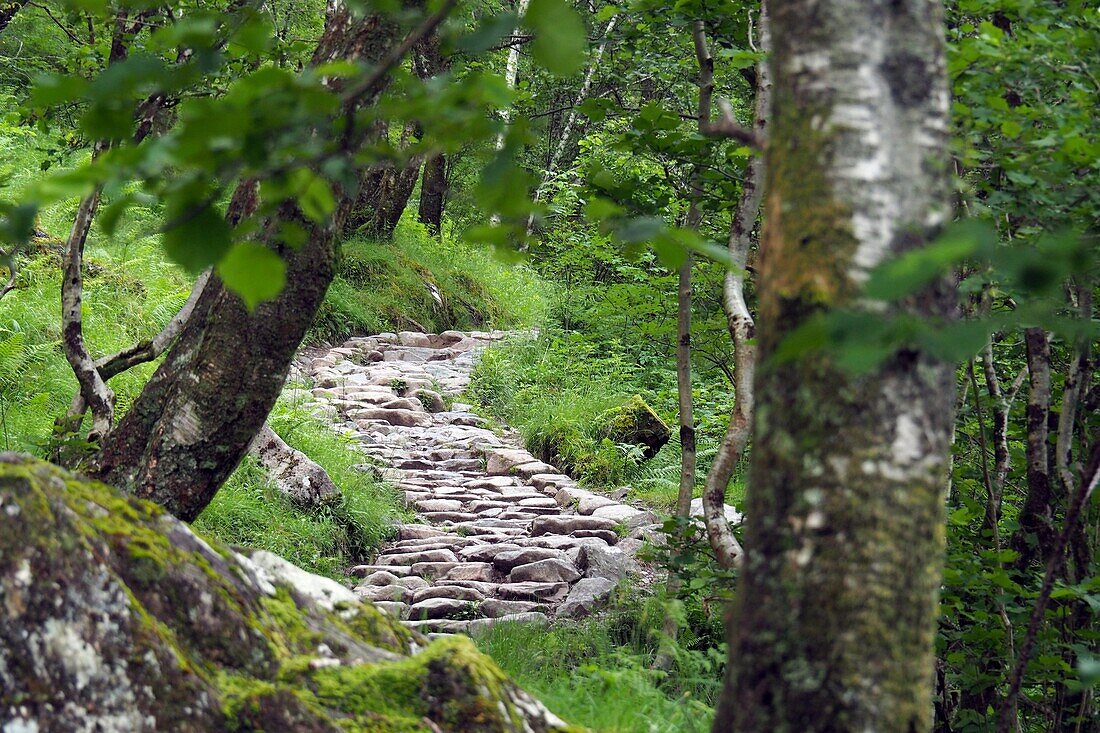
x: 727, y: 127
x: 742, y: 329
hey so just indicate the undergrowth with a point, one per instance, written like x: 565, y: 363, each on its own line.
x: 554, y: 391
x: 250, y: 512
x: 600, y: 672
x: 420, y: 283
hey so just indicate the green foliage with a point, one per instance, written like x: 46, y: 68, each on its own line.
x: 599, y: 673
x: 383, y: 286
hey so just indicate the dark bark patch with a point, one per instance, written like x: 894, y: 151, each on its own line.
x: 909, y: 78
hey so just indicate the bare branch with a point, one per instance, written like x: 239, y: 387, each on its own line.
x: 1006, y: 718
x: 93, y: 389
x: 373, y: 83
x: 727, y: 127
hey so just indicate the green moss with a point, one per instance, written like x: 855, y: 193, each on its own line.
x: 808, y: 241
x: 450, y: 682
x: 214, y: 650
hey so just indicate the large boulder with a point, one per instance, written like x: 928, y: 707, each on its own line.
x: 115, y: 616
x: 635, y: 423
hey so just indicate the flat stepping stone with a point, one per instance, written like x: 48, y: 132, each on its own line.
x: 426, y: 506
x: 589, y: 504
x: 569, y: 524
x: 606, y: 535
x: 456, y: 592
x: 412, y: 558
x: 480, y: 571
x: 362, y: 571
x: 495, y: 608
x: 383, y: 592
x: 550, y: 570
x: 505, y: 561
x: 546, y: 592
x: 527, y: 470
x: 486, y: 553
x: 453, y: 517
x: 437, y: 608
x: 539, y: 501
x: 381, y: 577
x: 432, y: 570
x: 620, y: 512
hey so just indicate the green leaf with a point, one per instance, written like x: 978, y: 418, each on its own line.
x: 561, y: 38
x: 254, y: 272
x: 314, y: 195
x: 488, y: 33
x: 196, y: 238
x: 913, y: 270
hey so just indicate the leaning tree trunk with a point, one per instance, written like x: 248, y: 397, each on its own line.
x: 196, y: 417
x: 741, y: 326
x: 384, y: 190
x: 834, y: 621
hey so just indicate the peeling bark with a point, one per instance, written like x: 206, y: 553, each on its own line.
x: 834, y: 620
x: 94, y: 391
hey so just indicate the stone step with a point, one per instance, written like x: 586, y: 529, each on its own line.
x: 501, y: 536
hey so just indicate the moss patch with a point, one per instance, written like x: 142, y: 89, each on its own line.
x: 129, y: 616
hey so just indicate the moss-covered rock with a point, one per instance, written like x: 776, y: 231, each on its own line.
x: 635, y: 423
x: 115, y: 616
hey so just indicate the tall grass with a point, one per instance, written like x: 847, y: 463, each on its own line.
x: 599, y: 673
x: 417, y: 282
x: 250, y: 512
x: 555, y: 389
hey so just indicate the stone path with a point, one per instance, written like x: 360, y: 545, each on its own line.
x: 500, y: 535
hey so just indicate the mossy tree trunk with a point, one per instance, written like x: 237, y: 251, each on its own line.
x: 433, y: 193
x: 834, y: 621
x: 194, y: 420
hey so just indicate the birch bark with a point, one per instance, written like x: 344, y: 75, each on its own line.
x: 836, y: 603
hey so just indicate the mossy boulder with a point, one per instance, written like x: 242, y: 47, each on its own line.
x: 115, y: 616
x: 635, y: 423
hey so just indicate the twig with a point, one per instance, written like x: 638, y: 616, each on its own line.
x: 727, y: 127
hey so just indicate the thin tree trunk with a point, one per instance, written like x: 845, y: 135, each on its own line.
x: 741, y: 327
x: 199, y: 412
x: 835, y: 611
x: 1079, y: 496
x: 1036, y: 533
x: 571, y: 120
x: 511, y: 72
x: 93, y: 389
